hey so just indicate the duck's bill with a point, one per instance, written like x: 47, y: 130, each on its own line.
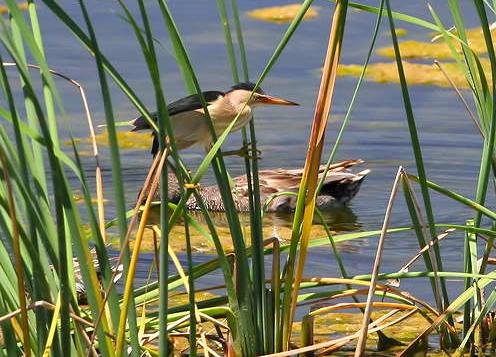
x: 267, y: 99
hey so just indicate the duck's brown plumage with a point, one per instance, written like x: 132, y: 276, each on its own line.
x: 340, y: 186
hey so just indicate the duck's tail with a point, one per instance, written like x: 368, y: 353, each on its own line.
x: 344, y: 186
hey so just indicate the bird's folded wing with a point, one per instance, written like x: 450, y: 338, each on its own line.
x: 189, y: 103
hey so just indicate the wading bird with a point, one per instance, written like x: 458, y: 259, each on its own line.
x: 340, y: 186
x: 188, y: 118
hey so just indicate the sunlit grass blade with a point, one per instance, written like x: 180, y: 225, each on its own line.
x: 116, y: 164
x: 251, y: 168
x: 18, y: 259
x: 65, y: 214
x: 476, y: 324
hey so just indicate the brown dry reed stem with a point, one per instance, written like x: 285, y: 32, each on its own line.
x: 86, y: 338
x: 460, y: 95
x: 17, y: 257
x: 49, y: 306
x: 343, y: 281
x: 98, y: 170
x: 315, y: 147
x: 362, y: 339
x: 141, y: 196
x: 428, y: 246
x: 351, y: 305
x: 127, y: 293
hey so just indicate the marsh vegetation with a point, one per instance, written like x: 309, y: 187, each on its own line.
x: 205, y: 283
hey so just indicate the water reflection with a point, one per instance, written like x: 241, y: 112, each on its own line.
x: 339, y: 219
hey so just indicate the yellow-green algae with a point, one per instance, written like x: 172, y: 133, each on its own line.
x: 328, y: 326
x: 282, y: 14
x: 400, y: 32
x: 416, y: 73
x: 79, y: 198
x: 178, y: 298
x: 202, y: 244
x: 334, y: 325
x: 438, y: 49
x: 126, y: 140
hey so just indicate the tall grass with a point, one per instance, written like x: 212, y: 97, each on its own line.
x: 42, y: 228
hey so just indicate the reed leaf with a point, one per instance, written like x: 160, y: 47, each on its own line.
x: 116, y: 165
x: 417, y: 151
x: 347, y: 116
x: 307, y: 192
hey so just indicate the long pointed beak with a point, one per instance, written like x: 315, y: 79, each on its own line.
x: 267, y: 99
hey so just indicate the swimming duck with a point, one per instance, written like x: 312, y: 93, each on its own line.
x: 340, y: 186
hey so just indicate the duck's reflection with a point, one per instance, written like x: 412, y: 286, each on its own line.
x: 338, y: 219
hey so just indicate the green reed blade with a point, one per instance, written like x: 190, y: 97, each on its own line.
x: 221, y: 175
x: 457, y: 197
x: 353, y: 98
x: 417, y: 151
x: 484, y: 311
x: 116, y: 164
x: 488, y: 150
x: 251, y: 168
x: 80, y: 34
x: 231, y: 55
x: 421, y: 233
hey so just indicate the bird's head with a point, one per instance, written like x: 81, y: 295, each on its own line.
x: 240, y: 94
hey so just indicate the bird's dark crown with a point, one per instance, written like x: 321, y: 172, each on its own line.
x: 249, y: 86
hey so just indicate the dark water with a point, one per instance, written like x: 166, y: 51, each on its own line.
x: 377, y: 134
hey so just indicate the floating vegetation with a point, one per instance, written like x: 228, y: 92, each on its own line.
x: 23, y: 6
x: 79, y: 198
x: 178, y: 298
x: 438, y: 49
x: 126, y: 139
x: 400, y: 32
x: 281, y: 14
x: 345, y: 323
x: 416, y: 73
x: 202, y: 243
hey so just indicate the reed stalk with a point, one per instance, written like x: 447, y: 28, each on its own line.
x: 307, y: 193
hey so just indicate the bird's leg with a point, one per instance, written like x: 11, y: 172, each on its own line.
x: 246, y: 150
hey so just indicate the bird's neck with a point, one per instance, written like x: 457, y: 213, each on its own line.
x: 226, y: 110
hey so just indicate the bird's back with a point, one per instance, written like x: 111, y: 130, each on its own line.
x: 186, y: 118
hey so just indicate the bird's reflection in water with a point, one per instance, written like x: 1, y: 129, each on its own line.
x: 338, y: 219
